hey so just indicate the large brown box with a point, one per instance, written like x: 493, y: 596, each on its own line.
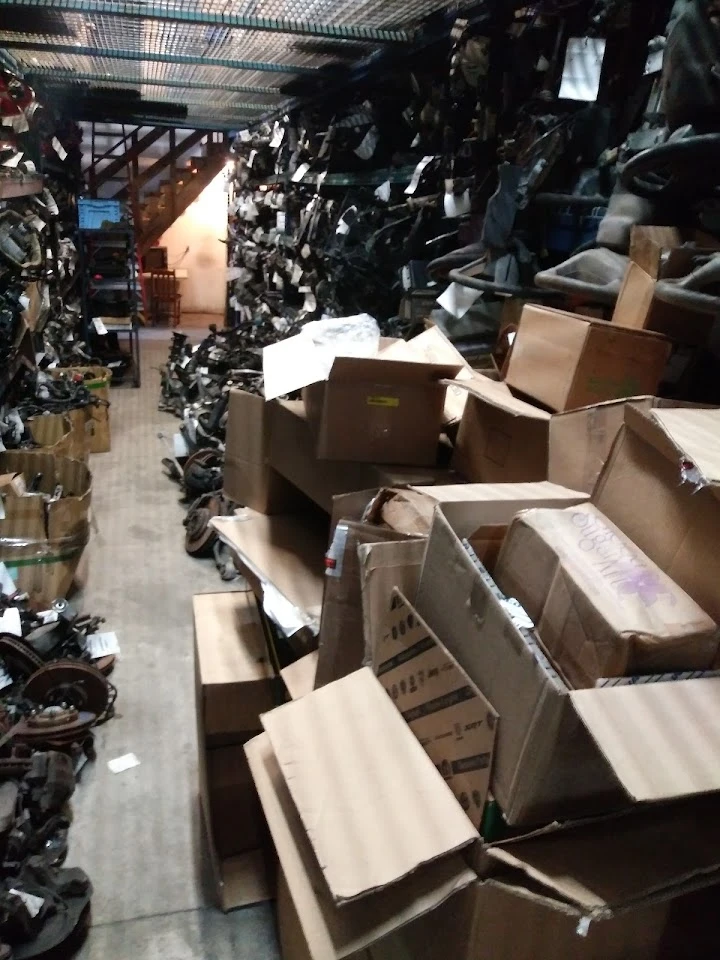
x: 600, y: 606
x: 42, y: 540
x: 564, y: 360
x: 379, y: 411
x: 96, y: 379
x: 62, y: 434
x: 563, y: 753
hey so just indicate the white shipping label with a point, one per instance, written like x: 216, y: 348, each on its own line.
x: 100, y: 327
x: 126, y: 762
x: 583, y: 66
x: 103, y: 644
x: 278, y: 135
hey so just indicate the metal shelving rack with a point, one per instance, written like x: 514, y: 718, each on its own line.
x: 104, y: 224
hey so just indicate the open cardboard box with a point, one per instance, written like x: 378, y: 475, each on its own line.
x: 563, y: 753
x: 283, y: 558
x: 233, y: 685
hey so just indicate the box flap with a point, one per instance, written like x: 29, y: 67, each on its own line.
x: 374, y: 806
x: 231, y: 642
x: 299, y: 677
x: 333, y: 932
x: 696, y: 435
x: 621, y: 862
x: 243, y: 880
x: 635, y: 298
x: 285, y: 553
x: 497, y: 394
x: 378, y: 370
x: 661, y: 739
x: 442, y: 706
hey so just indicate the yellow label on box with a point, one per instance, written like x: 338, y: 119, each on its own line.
x: 383, y: 401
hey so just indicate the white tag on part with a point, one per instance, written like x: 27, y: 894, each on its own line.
x: 455, y: 206
x: 383, y: 191
x: 59, y: 148
x: 126, y: 762
x: 457, y: 299
x: 37, y: 223
x: 280, y: 221
x: 583, y: 66
x: 24, y: 301
x: 366, y: 148
x: 414, y: 183
x: 7, y: 584
x: 654, y: 63
x: 49, y: 616
x: 251, y: 158
x: 278, y: 135
x: 103, y: 644
x: 306, y: 251
x: 100, y: 327
x: 14, y: 160
x: 180, y: 447
x: 310, y: 302
x: 2, y: 508
x: 278, y: 281
x: 416, y: 141
x: 10, y: 622
x: 300, y: 172
x: 245, y: 136
x: 5, y: 679
x: 321, y: 179
x: 31, y: 168
x: 33, y: 904
x: 296, y: 275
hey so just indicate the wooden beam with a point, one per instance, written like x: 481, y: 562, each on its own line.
x: 126, y: 159
x: 173, y: 154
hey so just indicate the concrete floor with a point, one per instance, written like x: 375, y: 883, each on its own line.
x: 138, y: 834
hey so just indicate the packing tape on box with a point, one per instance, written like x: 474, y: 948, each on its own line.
x: 49, y: 551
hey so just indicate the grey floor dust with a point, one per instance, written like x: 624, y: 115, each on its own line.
x: 138, y: 834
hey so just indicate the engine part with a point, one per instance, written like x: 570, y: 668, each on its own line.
x: 70, y: 682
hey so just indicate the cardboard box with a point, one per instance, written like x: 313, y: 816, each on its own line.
x: 299, y: 677
x: 600, y: 606
x: 501, y: 439
x: 637, y: 308
x: 341, y: 647
x: 379, y: 411
x: 248, y: 479
x: 42, y: 540
x: 564, y: 360
x: 451, y: 719
x: 234, y: 675
x: 13, y: 483
x: 98, y: 380
x: 292, y: 454
x: 328, y: 930
x: 564, y: 753
x: 62, y: 434
x: 232, y: 686
x: 283, y: 558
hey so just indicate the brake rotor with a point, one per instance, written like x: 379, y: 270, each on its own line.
x: 18, y: 658
x: 72, y: 683
x: 200, y: 537
x: 202, y: 472
x: 58, y: 725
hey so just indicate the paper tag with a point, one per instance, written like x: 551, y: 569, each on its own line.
x: 5, y: 679
x: 59, y: 148
x: 48, y: 616
x: 296, y: 275
x: 280, y: 221
x: 30, y: 166
x: 100, y: 327
x: 383, y: 191
x: 583, y: 926
x: 33, y: 904
x: 278, y: 281
x: 366, y: 148
x: 180, y: 447
x: 103, y: 644
x: 583, y: 66
x: 39, y: 224
x: 310, y: 302
x: 306, y: 251
x: 300, y: 172
x: 455, y: 206
x: 342, y: 228
x: 14, y: 160
x: 126, y: 762
x: 251, y: 158
x: 7, y: 584
x: 10, y: 622
x: 245, y: 136
x: 278, y: 135
x: 2, y: 508
x: 335, y: 556
x: 654, y: 63
x: 457, y: 299
x: 414, y: 183
x: 321, y: 179
x: 24, y: 301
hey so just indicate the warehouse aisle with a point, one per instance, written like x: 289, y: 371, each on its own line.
x: 138, y: 834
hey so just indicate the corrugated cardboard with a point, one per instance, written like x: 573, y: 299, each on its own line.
x: 660, y: 486
x: 333, y: 932
x: 299, y: 677
x: 565, y: 361
x: 292, y: 454
x: 383, y: 567
x: 600, y: 606
x: 248, y: 479
x: 41, y: 541
x: 232, y: 682
x: 283, y: 557
x: 233, y: 667
x: 379, y: 411
x: 62, y: 434
x: 501, y: 439
x: 638, y: 308
x: 97, y: 417
x: 373, y: 805
x: 442, y: 706
x: 551, y: 761
x: 341, y: 647
x: 432, y: 346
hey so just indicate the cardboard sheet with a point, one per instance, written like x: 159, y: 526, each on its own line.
x: 335, y: 932
x: 299, y: 677
x: 374, y: 806
x: 284, y: 555
x: 695, y: 433
x: 384, y: 566
x: 442, y: 706
x: 662, y: 740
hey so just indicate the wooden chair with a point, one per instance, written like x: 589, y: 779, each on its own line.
x: 165, y: 298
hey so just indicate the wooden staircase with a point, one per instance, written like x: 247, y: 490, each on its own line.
x: 155, y: 211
